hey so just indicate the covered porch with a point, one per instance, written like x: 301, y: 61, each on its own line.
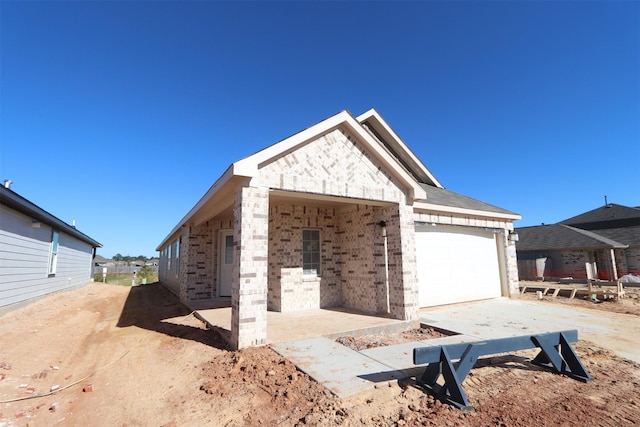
x: 256, y: 258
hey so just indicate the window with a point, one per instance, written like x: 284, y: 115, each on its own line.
x: 53, y: 259
x: 177, y: 255
x: 228, y: 249
x: 168, y: 267
x: 311, y: 252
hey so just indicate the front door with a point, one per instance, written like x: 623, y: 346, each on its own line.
x: 225, y: 263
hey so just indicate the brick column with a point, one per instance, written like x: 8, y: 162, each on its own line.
x: 409, y: 309
x: 513, y: 283
x: 250, y: 266
x: 403, y: 277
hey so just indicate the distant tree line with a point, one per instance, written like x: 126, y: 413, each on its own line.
x: 129, y: 258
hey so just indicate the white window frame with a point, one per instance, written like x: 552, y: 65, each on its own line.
x: 168, y: 265
x: 53, y: 252
x: 177, y: 255
x: 311, y: 247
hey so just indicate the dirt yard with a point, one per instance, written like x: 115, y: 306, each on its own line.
x: 107, y: 355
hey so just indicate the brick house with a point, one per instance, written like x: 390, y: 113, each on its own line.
x: 339, y: 214
x: 603, y: 243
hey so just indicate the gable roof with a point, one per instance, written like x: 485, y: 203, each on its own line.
x: 18, y: 203
x: 249, y: 166
x: 608, y: 216
x: 561, y: 236
x: 382, y: 143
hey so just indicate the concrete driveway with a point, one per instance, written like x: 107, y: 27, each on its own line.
x: 346, y: 372
x: 617, y: 332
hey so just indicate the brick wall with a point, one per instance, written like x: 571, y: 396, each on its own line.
x: 359, y: 266
x: 353, y: 257
x: 289, y: 289
x: 199, y: 259
x: 631, y: 264
x: 333, y: 164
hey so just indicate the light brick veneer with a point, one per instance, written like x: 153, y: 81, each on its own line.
x: 267, y: 270
x: 334, y: 164
x: 289, y: 289
x: 199, y: 259
x: 249, y: 282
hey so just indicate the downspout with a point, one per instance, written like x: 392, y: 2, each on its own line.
x: 386, y: 265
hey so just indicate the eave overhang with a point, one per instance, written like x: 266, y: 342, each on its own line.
x: 13, y: 200
x: 433, y: 208
x: 387, y: 135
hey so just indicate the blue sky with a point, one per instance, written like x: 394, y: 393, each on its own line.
x: 120, y: 115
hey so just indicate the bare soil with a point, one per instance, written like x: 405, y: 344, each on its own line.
x: 121, y: 356
x: 630, y: 304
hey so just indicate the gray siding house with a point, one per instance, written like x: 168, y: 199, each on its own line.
x: 341, y: 214
x: 39, y: 253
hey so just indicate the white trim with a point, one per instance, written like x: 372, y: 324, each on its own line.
x: 226, y: 176
x: 422, y: 206
x: 249, y: 166
x: 373, y: 114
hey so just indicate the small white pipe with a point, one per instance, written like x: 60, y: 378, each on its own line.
x: 386, y: 268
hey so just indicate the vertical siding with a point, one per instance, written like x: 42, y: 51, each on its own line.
x: 24, y: 260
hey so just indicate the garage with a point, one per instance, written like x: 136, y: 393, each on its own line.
x: 456, y: 264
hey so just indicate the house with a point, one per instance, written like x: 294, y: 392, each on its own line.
x: 603, y: 243
x: 100, y: 261
x: 39, y: 253
x: 340, y: 214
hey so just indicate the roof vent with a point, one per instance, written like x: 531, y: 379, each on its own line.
x: 7, y: 183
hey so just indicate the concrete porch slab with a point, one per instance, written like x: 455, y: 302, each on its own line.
x: 338, y: 368
x: 332, y: 323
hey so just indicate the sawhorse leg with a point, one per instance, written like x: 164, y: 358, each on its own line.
x: 451, y: 391
x: 564, y: 359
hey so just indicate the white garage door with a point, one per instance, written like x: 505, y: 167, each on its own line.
x: 456, y: 265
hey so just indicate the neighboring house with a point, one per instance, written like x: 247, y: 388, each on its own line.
x: 603, y: 243
x: 339, y: 214
x: 100, y: 261
x: 39, y: 253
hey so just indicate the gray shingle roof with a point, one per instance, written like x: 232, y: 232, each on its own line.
x: 606, y: 216
x: 16, y: 202
x: 440, y: 196
x: 560, y: 236
x: 627, y: 235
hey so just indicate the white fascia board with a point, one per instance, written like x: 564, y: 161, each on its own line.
x: 462, y: 211
x: 249, y: 166
x: 226, y: 176
x: 372, y: 113
x: 417, y: 192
